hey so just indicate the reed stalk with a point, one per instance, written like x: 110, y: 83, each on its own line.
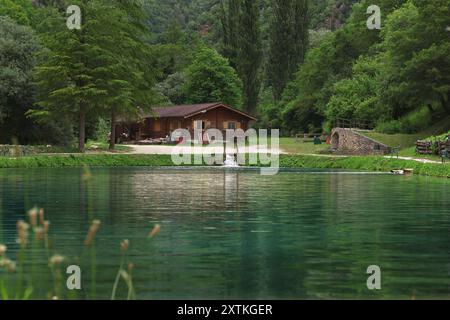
x: 39, y: 244
x: 124, y: 245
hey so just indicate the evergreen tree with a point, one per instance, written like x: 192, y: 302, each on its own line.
x: 68, y: 78
x: 130, y: 78
x: 96, y: 69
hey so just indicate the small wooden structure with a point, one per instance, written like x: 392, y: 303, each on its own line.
x: 444, y: 149
x: 443, y: 146
x: 438, y: 147
x: 424, y: 147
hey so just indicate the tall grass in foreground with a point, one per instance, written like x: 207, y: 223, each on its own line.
x: 39, y: 271
x: 24, y: 279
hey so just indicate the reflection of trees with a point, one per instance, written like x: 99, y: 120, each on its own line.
x: 383, y: 220
x: 234, y: 234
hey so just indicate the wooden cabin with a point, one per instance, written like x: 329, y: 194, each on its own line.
x: 163, y: 121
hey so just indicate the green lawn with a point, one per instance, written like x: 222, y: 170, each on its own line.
x: 407, y: 142
x: 291, y: 145
x: 395, y: 140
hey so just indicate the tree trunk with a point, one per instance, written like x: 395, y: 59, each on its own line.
x: 112, y: 140
x: 82, y: 132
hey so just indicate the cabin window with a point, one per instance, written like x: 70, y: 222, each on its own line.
x: 232, y: 125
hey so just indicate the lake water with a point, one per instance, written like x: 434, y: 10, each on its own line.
x: 236, y: 234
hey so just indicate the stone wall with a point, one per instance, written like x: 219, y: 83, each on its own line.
x: 348, y: 141
x: 17, y: 151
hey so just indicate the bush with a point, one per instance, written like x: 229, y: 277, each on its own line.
x: 102, y: 131
x: 412, y: 123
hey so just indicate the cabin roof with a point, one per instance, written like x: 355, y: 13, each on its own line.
x: 190, y: 110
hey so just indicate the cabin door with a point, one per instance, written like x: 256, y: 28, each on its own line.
x: 199, y: 126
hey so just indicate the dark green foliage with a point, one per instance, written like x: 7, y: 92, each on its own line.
x: 249, y: 54
x: 231, y: 28
x: 69, y: 79
x: 15, y: 11
x: 319, y: 93
x: 18, y: 50
x: 142, y: 53
x: 173, y: 88
x: 104, y: 68
x: 288, y: 42
x: 418, y: 48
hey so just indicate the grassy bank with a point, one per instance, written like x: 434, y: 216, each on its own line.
x: 286, y: 161
x: 92, y: 160
x: 365, y: 163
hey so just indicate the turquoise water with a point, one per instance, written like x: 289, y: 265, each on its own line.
x: 236, y: 234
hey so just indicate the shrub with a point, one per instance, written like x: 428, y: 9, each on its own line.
x: 412, y: 123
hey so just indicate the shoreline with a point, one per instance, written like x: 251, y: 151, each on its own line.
x: 365, y: 163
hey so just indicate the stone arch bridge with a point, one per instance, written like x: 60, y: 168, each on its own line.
x: 351, y: 141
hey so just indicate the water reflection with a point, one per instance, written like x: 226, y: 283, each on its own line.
x: 237, y: 234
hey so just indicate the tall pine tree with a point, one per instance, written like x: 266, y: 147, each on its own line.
x: 97, y: 70
x: 130, y: 79
x: 67, y: 79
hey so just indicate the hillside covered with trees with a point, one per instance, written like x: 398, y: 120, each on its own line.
x: 298, y: 65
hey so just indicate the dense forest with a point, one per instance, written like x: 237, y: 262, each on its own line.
x: 297, y: 65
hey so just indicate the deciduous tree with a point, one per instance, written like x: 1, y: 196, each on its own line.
x: 210, y: 78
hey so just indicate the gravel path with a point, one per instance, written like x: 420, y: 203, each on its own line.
x: 158, y: 149
x: 167, y: 150
x: 417, y: 160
